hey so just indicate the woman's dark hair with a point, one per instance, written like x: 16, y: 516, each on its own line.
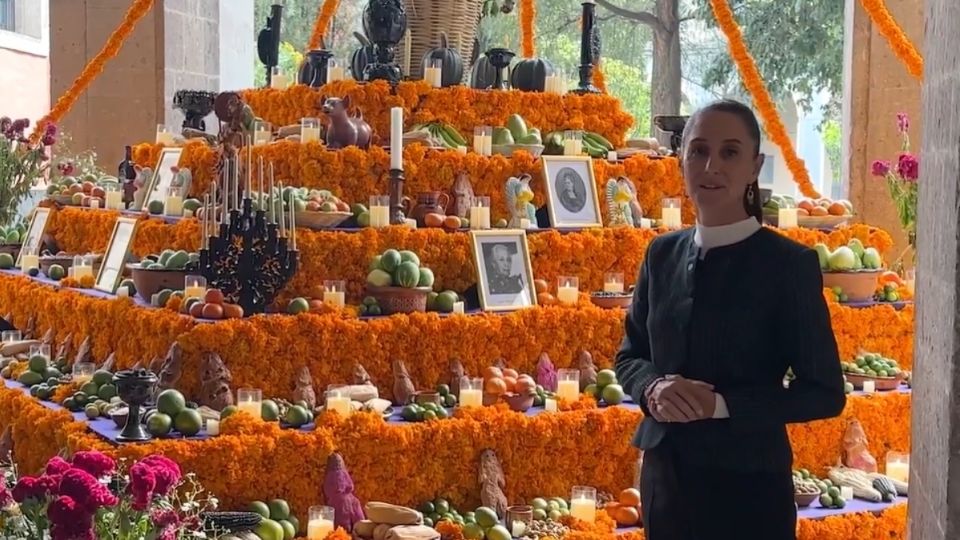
x: 753, y: 205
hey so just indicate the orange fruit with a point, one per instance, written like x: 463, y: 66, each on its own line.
x: 213, y: 296
x: 232, y: 311
x: 803, y: 212
x: 212, y: 311
x: 512, y: 373
x: 495, y: 386
x: 819, y: 211
x: 630, y: 497
x: 625, y: 516
x: 837, y: 209
x: 805, y: 204
x: 541, y: 286
x: 524, y: 385
x: 492, y: 372
x: 511, y: 383
x: 890, y: 277
x: 196, y: 310
x: 546, y: 299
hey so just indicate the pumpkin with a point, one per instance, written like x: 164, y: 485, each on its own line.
x: 452, y: 71
x: 365, y: 54
x: 484, y: 75
x: 530, y: 74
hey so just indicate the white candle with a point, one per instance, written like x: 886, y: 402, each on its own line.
x: 458, y: 307
x: 123, y: 292
x: 568, y: 295
x: 898, y: 470
x: 318, y: 529
x: 584, y: 509
x: 173, y: 206
x: 550, y: 405
x: 407, y: 51
x: 114, y: 200
x: 334, y: 73
x: 471, y: 397
x: 613, y: 287
x: 612, y: 156
x: 869, y: 387
x: 213, y: 427
x: 846, y: 492
x: 646, y: 223
x: 341, y: 404
x: 524, y: 223
x: 411, y: 223
x: 28, y: 261
x: 568, y: 390
x: 462, y: 149
x: 334, y: 298
x: 787, y: 218
x: 672, y: 218
x: 479, y: 217
x: 396, y: 138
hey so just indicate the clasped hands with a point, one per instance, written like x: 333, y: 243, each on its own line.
x: 677, y: 399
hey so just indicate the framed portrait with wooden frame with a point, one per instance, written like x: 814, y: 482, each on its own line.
x: 163, y: 176
x: 115, y: 258
x: 504, y: 272
x: 33, y: 239
x: 572, y: 197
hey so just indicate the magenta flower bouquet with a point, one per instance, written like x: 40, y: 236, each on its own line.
x: 901, y: 178
x: 22, y: 163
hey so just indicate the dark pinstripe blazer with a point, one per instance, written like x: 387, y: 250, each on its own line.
x: 737, y: 319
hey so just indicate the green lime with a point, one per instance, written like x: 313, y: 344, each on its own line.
x: 613, y: 394
x: 107, y: 391
x: 102, y: 377
x: 606, y: 377
x: 90, y: 388
x: 269, y: 529
x: 428, y: 522
x: 159, y: 424
x: 92, y: 411
x: 472, y: 531
x: 259, y: 507
x: 293, y: 521
x: 279, y: 509
x: 449, y: 400
x: 486, y: 517
x: 429, y: 415
x: 227, y: 411
x: 269, y: 410
x: 38, y: 363
x: 539, y: 503
x: 410, y: 413
x: 441, y: 506
x: 427, y: 508
x: 188, y: 422
x: 498, y: 532
x: 298, y: 305
x: 297, y: 416
x: 443, y: 389
x: 171, y: 402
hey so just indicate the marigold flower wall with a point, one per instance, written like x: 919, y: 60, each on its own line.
x: 405, y: 464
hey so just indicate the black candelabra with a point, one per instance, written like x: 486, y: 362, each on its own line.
x: 249, y: 249
x: 385, y: 24
x: 268, y: 40
x: 589, y: 49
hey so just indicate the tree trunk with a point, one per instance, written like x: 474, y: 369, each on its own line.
x: 666, y: 89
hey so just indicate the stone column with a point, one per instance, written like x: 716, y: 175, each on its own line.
x: 178, y: 45
x: 876, y: 87
x: 935, y: 467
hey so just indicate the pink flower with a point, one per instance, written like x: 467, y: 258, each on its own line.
x: 908, y: 167
x: 880, y: 167
x: 903, y: 122
x: 6, y: 499
x: 142, y: 484
x: 166, y: 471
x: 57, y: 465
x: 95, y: 463
x: 83, y: 488
x: 69, y: 520
x: 167, y: 522
x: 35, y: 488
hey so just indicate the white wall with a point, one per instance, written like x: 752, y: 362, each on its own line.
x: 237, y: 46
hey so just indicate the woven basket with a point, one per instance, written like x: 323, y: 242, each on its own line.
x: 399, y: 299
x: 428, y: 18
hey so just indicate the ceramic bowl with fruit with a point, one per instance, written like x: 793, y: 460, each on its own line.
x: 318, y: 209
x: 852, y: 269
x: 398, y: 282
x: 164, y: 271
x: 812, y: 213
x: 884, y: 372
x: 611, y: 300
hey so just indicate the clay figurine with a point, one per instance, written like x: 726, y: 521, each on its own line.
x: 456, y: 374
x: 338, y: 493
x: 403, y: 388
x: 236, y: 119
x: 304, y: 388
x: 109, y: 362
x: 64, y: 349
x: 492, y: 482
x: 83, y: 353
x: 344, y: 130
x: 619, y: 197
x: 519, y: 201
x: 462, y: 196
x: 137, y: 189
x: 6, y: 446
x: 156, y: 364
x: 360, y: 375
x: 215, y: 381
x: 170, y: 369
x: 546, y: 373
x: 588, y: 370
x: 48, y: 338
x: 856, y: 450
x: 30, y: 331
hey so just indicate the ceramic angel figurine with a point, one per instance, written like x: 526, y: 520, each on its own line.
x: 182, y: 177
x: 519, y: 197
x: 618, y: 203
x: 138, y: 187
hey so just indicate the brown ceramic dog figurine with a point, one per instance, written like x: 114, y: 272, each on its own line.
x: 342, y: 129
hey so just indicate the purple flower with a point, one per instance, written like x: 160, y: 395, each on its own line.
x: 908, y: 167
x: 903, y: 122
x: 880, y: 167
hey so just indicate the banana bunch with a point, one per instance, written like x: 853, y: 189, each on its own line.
x: 441, y: 134
x: 594, y: 144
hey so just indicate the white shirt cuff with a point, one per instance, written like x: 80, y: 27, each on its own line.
x: 720, y: 410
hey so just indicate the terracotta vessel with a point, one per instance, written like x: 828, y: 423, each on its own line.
x: 428, y: 202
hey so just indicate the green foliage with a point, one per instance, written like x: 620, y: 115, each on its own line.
x: 831, y: 136
x: 290, y: 59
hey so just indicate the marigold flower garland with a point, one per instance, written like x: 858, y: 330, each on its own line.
x: 95, y: 66
x: 599, y: 80
x: 324, y: 15
x: 761, y: 97
x: 895, y: 36
x: 527, y: 13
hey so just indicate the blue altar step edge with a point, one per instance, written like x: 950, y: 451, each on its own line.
x: 106, y: 429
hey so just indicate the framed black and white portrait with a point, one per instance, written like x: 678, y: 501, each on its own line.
x: 504, y: 274
x: 572, y: 199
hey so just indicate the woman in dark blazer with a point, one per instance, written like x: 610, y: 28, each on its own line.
x: 720, y: 312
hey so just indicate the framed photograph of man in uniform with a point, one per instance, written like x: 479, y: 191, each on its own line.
x: 572, y: 199
x: 504, y: 274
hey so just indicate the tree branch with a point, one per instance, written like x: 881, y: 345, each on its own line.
x: 643, y: 17
x: 576, y: 20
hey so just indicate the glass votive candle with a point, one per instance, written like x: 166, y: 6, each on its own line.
x: 670, y: 213
x: 213, y: 427
x: 82, y: 266
x: 471, y: 391
x: 113, y: 197
x: 173, y: 204
x: 568, y: 384
x: 9, y: 336
x: 164, y: 135
x: 83, y: 371
x: 250, y: 401
x: 194, y: 287
x: 337, y: 400
x: 433, y: 74
x: 379, y: 211
x: 518, y: 518
x: 572, y: 143
x: 309, y: 130
x: 480, y: 213
x: 898, y: 466
x: 568, y: 290
x: 320, y: 522
x: 262, y: 132
x: 911, y: 281
x: 42, y: 350
x: 583, y: 503
x: 29, y: 259
x: 335, y: 71
x: 478, y: 134
x: 787, y: 216
x: 334, y: 292
x: 613, y: 282
x: 278, y: 79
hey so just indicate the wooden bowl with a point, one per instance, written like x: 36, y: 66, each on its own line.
x: 150, y: 282
x: 519, y: 402
x: 611, y: 302
x: 321, y: 220
x: 879, y: 383
x: 65, y: 200
x: 804, y: 500
x: 396, y: 299
x: 490, y: 399
x: 859, y: 286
